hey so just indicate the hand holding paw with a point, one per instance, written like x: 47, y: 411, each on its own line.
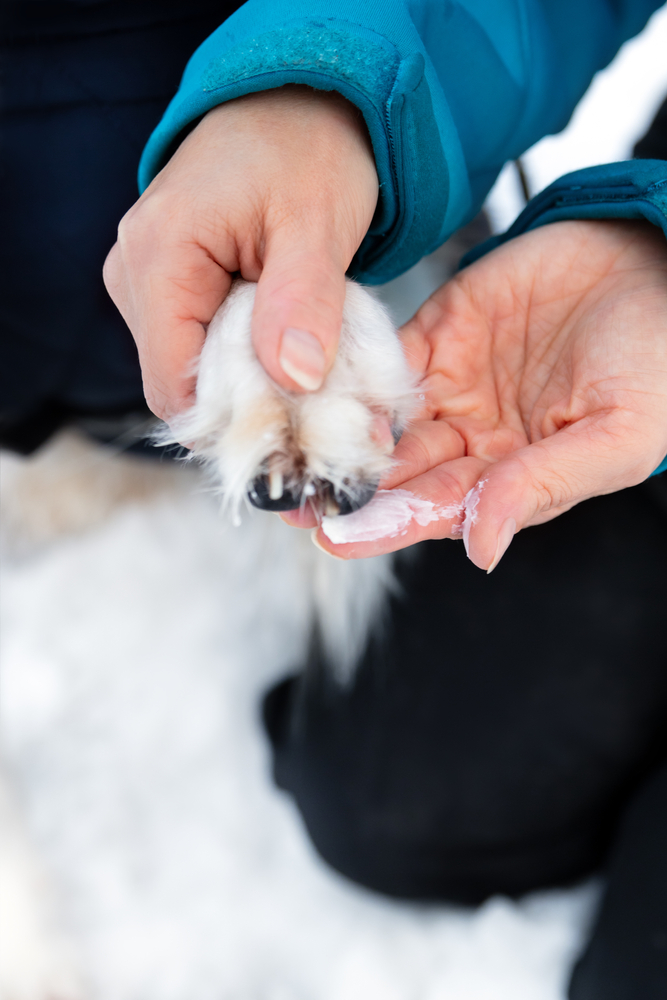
x: 280, y: 186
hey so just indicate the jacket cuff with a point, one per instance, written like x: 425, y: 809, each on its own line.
x: 635, y: 189
x: 391, y: 89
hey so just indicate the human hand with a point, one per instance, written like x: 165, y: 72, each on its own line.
x: 280, y: 186
x: 544, y: 370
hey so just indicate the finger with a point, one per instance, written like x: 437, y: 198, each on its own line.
x: 167, y: 314
x: 594, y: 456
x: 298, y: 313
x: 429, y: 506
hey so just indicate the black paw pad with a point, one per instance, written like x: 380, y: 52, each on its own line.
x: 321, y: 493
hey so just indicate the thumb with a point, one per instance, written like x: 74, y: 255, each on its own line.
x: 298, y: 314
x: 534, y: 484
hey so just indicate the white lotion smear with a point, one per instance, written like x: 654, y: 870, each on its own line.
x: 469, y: 510
x: 388, y: 514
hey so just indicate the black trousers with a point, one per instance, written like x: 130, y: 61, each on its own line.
x: 83, y: 86
x: 507, y: 733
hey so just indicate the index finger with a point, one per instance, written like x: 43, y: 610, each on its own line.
x: 167, y: 303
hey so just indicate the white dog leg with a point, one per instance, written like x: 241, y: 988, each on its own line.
x: 281, y: 450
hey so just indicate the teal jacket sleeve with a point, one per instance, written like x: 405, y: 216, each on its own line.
x: 635, y: 189
x: 449, y: 89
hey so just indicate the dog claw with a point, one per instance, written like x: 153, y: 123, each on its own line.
x: 261, y: 495
x: 275, y: 484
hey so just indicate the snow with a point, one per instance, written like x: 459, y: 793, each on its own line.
x: 133, y: 666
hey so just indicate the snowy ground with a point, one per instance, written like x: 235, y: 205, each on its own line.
x: 132, y: 667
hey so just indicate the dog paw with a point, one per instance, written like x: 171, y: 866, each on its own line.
x: 280, y: 450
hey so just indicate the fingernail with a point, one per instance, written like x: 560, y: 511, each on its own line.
x: 314, y: 539
x: 505, y: 536
x: 302, y: 358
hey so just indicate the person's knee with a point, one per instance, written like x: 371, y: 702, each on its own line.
x: 404, y: 840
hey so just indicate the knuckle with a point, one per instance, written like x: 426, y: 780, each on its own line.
x: 143, y: 221
x: 131, y: 228
x: 110, y: 271
x: 552, y: 488
x: 548, y: 495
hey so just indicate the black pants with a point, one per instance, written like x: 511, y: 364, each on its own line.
x: 507, y: 733
x: 83, y: 86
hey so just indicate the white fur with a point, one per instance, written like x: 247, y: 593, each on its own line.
x: 242, y: 422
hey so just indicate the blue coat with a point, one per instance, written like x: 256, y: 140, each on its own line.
x: 449, y: 89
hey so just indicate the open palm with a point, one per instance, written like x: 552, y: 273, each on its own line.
x: 544, y: 372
